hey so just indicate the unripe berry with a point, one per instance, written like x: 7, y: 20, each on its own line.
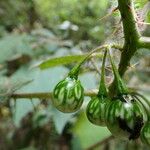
x: 68, y: 95
x: 145, y: 134
x: 124, y: 118
x: 96, y: 110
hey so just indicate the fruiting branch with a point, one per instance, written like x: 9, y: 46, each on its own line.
x: 132, y: 38
x: 132, y: 42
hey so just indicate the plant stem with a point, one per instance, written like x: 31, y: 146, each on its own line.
x: 45, y: 95
x: 74, y: 72
x: 101, y: 143
x: 144, y: 42
x: 132, y: 40
x: 102, y: 88
x: 131, y: 33
x: 119, y: 83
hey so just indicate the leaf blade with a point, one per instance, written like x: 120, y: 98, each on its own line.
x: 57, y: 61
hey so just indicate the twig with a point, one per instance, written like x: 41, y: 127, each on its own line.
x: 109, y: 14
x: 49, y: 95
x: 34, y: 107
x: 101, y: 143
x: 46, y: 95
x: 95, y: 66
x: 144, y: 42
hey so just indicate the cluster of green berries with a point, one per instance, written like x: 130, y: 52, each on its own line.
x: 124, y: 114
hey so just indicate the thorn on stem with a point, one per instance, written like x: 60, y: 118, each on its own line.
x: 107, y: 15
x: 129, y: 7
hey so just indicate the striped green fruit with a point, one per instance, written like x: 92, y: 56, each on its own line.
x: 96, y: 109
x: 145, y: 133
x: 124, y: 118
x: 68, y: 95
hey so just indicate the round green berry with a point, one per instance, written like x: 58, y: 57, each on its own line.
x: 145, y: 133
x: 124, y: 118
x: 96, y: 109
x: 68, y: 95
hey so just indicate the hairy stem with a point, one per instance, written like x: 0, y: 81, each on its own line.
x: 131, y: 33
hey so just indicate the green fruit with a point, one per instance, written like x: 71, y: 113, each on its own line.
x: 145, y: 133
x: 68, y: 95
x: 143, y: 104
x: 96, y: 109
x: 124, y: 118
x: 97, y: 106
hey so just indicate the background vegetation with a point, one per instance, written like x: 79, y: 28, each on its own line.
x: 32, y: 31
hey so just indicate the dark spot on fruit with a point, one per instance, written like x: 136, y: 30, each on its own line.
x: 123, y: 125
x: 137, y: 128
x: 135, y: 132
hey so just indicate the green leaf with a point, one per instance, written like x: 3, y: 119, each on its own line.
x: 15, y: 44
x: 60, y: 61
